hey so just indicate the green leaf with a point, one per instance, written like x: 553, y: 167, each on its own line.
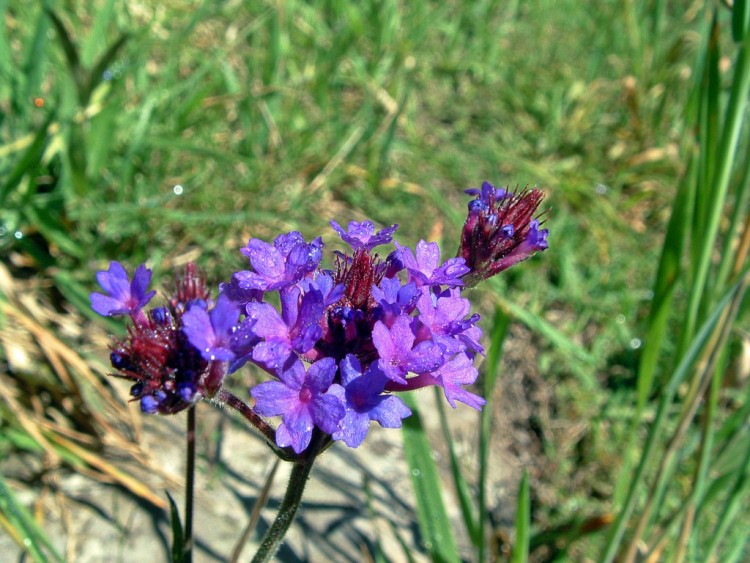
x: 28, y: 161
x: 740, y: 19
x: 434, y: 524
x: 491, y: 366
x: 523, y: 522
x: 97, y: 38
x: 178, y: 537
x: 462, y: 486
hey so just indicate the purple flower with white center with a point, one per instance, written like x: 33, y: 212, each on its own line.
x: 362, y: 236
x: 363, y: 399
x: 303, y: 400
x: 425, y: 268
x: 398, y: 355
x: 277, y: 266
x: 211, y: 332
x: 124, y: 297
x: 295, y: 330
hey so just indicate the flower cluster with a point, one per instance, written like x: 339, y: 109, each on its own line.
x: 338, y: 343
x: 160, y: 353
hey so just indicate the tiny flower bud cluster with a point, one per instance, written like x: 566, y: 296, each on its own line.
x: 342, y: 341
x: 168, y: 371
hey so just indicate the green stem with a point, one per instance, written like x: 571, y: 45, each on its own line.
x: 275, y: 534
x: 189, y: 486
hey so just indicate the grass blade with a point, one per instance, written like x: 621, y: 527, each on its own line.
x: 459, y: 481
x: 434, y: 524
x: 178, y: 538
x: 500, y: 327
x: 23, y: 528
x: 523, y: 522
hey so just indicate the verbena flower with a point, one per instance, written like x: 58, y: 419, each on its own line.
x: 425, y: 269
x: 364, y: 400
x: 279, y: 265
x: 500, y: 231
x: 123, y: 296
x: 362, y: 236
x: 337, y: 344
x: 303, y: 400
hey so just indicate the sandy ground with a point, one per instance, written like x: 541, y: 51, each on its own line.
x: 92, y: 522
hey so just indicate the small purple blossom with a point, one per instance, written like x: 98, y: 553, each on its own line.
x: 364, y: 400
x: 276, y: 266
x: 446, y: 319
x: 424, y: 268
x: 123, y: 296
x: 303, y: 400
x: 211, y: 332
x: 453, y: 375
x: 296, y: 329
x: 399, y: 355
x: 362, y: 236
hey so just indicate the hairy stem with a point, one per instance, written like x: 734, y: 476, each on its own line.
x: 289, y: 506
x: 189, y: 486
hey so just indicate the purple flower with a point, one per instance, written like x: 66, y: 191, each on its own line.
x: 362, y: 236
x: 295, y: 330
x: 445, y: 319
x: 124, y: 297
x: 455, y: 373
x: 399, y: 355
x: 395, y: 299
x: 303, y: 401
x: 363, y: 399
x: 239, y: 294
x: 276, y: 266
x: 211, y: 333
x: 425, y: 268
x: 500, y: 231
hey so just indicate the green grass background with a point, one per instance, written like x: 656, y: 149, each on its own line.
x: 273, y: 116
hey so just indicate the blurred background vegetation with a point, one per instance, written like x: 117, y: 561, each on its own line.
x: 174, y: 131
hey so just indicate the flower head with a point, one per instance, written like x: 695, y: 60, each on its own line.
x: 500, y: 231
x: 175, y: 355
x: 336, y: 343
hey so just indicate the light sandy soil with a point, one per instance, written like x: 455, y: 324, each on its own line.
x: 91, y: 522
